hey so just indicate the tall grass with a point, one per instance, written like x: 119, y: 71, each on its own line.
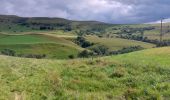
x: 130, y: 76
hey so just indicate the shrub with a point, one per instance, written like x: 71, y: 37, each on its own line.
x: 85, y: 54
x: 38, y: 56
x: 100, y: 50
x: 82, y: 42
x: 8, y: 52
x: 71, y: 56
x: 127, y: 50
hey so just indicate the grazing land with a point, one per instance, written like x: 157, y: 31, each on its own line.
x: 53, y: 47
x: 139, y: 75
x: 117, y: 43
x: 58, y: 59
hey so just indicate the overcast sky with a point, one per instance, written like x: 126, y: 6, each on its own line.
x: 112, y: 11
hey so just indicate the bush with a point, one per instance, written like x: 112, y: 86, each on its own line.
x: 127, y: 50
x: 85, y: 54
x: 8, y: 52
x: 71, y: 56
x: 100, y: 50
x: 82, y: 42
x: 38, y: 56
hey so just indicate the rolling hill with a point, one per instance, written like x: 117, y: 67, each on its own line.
x: 53, y: 47
x: 117, y: 43
x: 138, y: 75
x: 15, y: 24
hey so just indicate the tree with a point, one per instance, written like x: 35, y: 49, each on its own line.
x: 71, y: 56
x: 8, y: 52
x: 85, y: 54
x: 100, y: 50
x: 82, y: 42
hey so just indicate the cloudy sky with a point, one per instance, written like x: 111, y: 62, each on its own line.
x: 112, y: 11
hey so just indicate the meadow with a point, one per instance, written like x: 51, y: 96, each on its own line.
x: 109, y: 78
x: 117, y: 43
x: 53, y: 47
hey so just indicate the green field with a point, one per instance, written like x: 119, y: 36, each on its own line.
x: 117, y: 43
x: 53, y: 47
x: 139, y: 75
x: 23, y: 39
x: 59, y: 45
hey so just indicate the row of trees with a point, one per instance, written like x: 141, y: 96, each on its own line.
x: 104, y: 51
x: 10, y: 52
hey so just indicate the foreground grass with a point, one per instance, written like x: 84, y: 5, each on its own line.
x: 139, y: 75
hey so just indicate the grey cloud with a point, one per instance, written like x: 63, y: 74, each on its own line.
x: 112, y: 11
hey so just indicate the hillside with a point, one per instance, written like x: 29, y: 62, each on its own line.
x: 52, y: 46
x: 117, y: 43
x: 15, y: 24
x: 138, y: 75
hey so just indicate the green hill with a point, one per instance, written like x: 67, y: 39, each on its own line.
x: 140, y: 75
x: 39, y: 44
x: 15, y: 24
x: 117, y: 43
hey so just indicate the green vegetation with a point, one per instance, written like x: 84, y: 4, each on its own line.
x: 53, y: 51
x: 117, y: 43
x: 139, y: 75
x: 52, y: 47
x: 23, y: 39
x: 15, y: 24
x: 81, y: 41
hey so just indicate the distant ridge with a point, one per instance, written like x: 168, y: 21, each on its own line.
x: 15, y: 23
x: 53, y: 18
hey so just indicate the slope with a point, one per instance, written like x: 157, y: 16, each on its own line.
x: 139, y: 75
x: 39, y: 44
x: 15, y: 24
x: 117, y: 43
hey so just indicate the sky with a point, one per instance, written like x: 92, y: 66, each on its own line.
x: 109, y: 11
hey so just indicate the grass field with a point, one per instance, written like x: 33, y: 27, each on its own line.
x: 53, y: 47
x: 23, y: 39
x: 54, y: 44
x: 117, y: 43
x: 51, y: 50
x: 139, y: 75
